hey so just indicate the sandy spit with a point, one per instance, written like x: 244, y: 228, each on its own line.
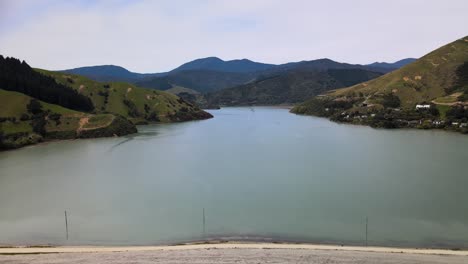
x: 226, y: 245
x: 231, y: 253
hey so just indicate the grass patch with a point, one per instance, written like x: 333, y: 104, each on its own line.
x: 13, y: 104
x: 99, y: 121
x: 443, y: 110
x: 17, y: 127
x: 449, y: 98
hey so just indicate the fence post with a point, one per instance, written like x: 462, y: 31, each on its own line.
x: 367, y: 223
x: 204, y: 223
x: 66, y: 224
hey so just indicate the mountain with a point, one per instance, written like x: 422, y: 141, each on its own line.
x: 212, y: 73
x: 202, y: 81
x: 37, y: 105
x: 325, y: 64
x: 208, y: 75
x: 107, y: 73
x: 290, y: 87
x: 394, y: 65
x: 219, y: 65
x: 203, y: 75
x: 207, y: 80
x: 438, y: 80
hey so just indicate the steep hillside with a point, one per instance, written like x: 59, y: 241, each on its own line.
x: 427, y: 79
x: 290, y: 87
x: 25, y: 120
x: 137, y: 104
x: 438, y: 80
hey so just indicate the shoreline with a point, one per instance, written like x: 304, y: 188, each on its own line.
x: 26, y: 250
x: 383, y: 128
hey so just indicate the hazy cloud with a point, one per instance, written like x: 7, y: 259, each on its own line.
x: 153, y: 36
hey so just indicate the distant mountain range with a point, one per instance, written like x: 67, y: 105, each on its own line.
x: 211, y: 74
x: 394, y: 65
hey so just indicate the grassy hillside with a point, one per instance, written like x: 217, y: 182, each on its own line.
x: 439, y: 79
x: 35, y: 105
x: 427, y: 79
x: 136, y: 104
x: 20, y: 126
x: 290, y: 87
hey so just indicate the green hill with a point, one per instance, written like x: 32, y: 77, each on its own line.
x: 23, y: 122
x: 139, y: 105
x: 438, y: 79
x: 37, y: 105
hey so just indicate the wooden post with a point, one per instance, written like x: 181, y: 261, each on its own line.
x: 66, y: 224
x: 203, y: 222
x: 367, y: 223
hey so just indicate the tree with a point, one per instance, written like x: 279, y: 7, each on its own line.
x: 434, y: 111
x: 457, y: 112
x: 34, y: 107
x: 132, y: 109
x: 38, y: 125
x: 18, y: 76
x: 24, y: 117
x: 391, y: 100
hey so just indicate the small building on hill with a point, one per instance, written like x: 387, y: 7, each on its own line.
x: 423, y: 106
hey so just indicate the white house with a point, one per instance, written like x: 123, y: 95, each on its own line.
x: 424, y: 106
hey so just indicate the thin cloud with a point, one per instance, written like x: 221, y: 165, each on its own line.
x: 155, y: 36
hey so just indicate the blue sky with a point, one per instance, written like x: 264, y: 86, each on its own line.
x: 155, y: 36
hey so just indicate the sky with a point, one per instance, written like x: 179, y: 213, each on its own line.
x: 157, y: 36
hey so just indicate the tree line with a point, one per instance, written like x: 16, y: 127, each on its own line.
x: 18, y: 76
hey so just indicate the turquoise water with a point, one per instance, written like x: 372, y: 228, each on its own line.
x: 260, y: 173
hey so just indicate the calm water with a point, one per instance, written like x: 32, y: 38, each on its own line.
x: 258, y: 172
